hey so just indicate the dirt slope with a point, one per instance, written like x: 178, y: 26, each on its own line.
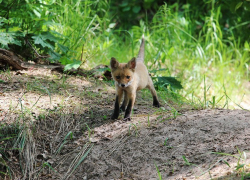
x: 194, y: 134
x: 72, y: 133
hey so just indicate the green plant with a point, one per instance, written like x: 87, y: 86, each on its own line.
x: 68, y: 136
x: 80, y: 157
x: 186, y: 160
x: 240, y: 167
x: 158, y: 172
x: 46, y: 164
x: 104, y: 117
x: 148, y: 121
x: 136, y: 129
x: 90, y: 131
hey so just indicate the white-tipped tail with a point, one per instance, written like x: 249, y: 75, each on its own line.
x: 140, y: 56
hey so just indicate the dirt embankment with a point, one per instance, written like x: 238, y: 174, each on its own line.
x: 71, y: 116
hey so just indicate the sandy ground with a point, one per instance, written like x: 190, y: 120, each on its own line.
x: 194, y: 134
x: 197, y: 144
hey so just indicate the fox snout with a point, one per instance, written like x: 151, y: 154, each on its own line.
x: 123, y: 85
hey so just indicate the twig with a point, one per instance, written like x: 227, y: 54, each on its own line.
x: 37, y: 54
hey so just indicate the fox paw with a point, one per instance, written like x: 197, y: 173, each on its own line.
x: 156, y: 104
x: 114, y: 116
x: 127, y: 119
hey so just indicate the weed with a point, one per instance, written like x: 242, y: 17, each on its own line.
x: 241, y: 165
x: 46, y: 164
x: 68, y: 136
x: 186, y: 161
x: 90, y: 132
x: 104, y: 117
x: 148, y: 121
x: 158, y: 172
x: 77, y: 160
x: 136, y: 129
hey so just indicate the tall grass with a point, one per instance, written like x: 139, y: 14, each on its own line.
x: 172, y: 45
x: 187, y: 49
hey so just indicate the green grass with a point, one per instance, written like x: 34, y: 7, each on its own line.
x: 241, y: 168
x: 210, y: 67
x: 186, y: 44
x: 213, y: 67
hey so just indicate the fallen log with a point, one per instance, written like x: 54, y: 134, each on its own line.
x: 8, y: 57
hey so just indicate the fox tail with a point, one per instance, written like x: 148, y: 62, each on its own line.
x: 140, y: 56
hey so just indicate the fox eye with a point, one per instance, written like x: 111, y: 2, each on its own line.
x: 118, y: 77
x: 127, y: 77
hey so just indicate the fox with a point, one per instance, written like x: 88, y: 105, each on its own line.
x: 129, y: 78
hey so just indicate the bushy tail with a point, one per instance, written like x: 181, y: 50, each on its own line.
x: 140, y: 56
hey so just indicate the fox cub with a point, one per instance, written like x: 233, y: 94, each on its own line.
x: 129, y: 78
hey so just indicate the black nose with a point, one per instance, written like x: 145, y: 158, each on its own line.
x: 123, y: 85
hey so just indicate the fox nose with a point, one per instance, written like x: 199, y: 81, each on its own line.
x: 123, y: 85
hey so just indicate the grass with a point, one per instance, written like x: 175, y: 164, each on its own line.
x: 171, y: 45
x: 241, y: 167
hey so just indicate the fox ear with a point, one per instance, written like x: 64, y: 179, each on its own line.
x: 132, y: 63
x: 114, y: 63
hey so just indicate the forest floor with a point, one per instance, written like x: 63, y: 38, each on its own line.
x: 67, y: 133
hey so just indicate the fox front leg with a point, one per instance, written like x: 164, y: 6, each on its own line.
x: 118, y: 98
x: 130, y: 106
x: 125, y: 102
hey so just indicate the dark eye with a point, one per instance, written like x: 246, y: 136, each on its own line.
x: 118, y: 77
x: 127, y: 77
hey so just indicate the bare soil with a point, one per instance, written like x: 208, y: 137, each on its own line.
x: 72, y: 135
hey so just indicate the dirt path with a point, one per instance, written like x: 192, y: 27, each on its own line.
x: 75, y: 138
x: 194, y: 135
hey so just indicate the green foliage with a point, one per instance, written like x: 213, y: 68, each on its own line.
x: 164, y: 82
x: 127, y: 13
x: 186, y: 39
x: 27, y: 23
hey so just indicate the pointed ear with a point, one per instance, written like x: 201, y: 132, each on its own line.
x: 114, y: 63
x: 132, y: 63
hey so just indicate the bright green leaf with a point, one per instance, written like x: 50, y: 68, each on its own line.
x: 76, y: 64
x: 64, y: 60
x: 136, y: 9
x: 246, y: 45
x: 37, y: 13
x: 170, y: 51
x: 238, y: 5
x: 239, y: 166
x: 126, y: 9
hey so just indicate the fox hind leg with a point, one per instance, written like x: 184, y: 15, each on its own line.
x: 153, y: 92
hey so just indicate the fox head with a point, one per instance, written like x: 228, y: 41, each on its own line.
x: 123, y: 72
